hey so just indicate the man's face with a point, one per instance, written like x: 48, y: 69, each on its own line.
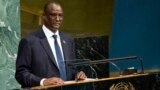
x: 53, y: 17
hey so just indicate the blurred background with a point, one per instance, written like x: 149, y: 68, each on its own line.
x: 81, y: 17
x: 114, y: 28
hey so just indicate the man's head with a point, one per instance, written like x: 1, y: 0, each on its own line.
x: 53, y: 16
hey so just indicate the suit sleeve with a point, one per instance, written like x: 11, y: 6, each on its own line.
x: 23, y: 66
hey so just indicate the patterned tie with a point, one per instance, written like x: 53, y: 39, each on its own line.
x: 60, y: 60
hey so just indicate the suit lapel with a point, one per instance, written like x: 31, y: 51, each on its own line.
x: 45, y: 44
x: 64, y: 46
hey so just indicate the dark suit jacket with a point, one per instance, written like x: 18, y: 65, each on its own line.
x: 35, y: 59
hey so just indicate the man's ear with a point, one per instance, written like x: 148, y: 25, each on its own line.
x: 43, y: 18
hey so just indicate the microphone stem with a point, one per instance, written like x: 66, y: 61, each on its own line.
x: 107, y: 60
x: 94, y: 71
x: 96, y: 76
x: 141, y: 61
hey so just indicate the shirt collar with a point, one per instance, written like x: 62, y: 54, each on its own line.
x: 49, y: 33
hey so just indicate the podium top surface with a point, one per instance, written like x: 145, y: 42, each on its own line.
x: 88, y: 80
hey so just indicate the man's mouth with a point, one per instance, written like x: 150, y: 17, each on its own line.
x: 57, y: 24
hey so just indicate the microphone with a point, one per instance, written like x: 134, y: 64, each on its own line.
x: 118, y: 59
x: 90, y: 65
x: 131, y: 58
x: 96, y: 52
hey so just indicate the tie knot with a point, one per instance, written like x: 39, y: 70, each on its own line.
x: 55, y: 36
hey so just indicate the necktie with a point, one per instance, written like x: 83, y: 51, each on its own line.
x: 60, y: 60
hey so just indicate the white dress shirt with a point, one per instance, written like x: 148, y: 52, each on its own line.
x: 49, y: 35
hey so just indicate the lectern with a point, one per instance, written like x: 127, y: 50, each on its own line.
x: 127, y: 82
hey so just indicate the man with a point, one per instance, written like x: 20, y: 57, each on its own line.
x: 37, y: 61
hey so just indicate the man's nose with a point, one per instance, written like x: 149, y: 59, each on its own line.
x: 57, y: 18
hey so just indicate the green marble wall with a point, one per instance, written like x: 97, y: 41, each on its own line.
x: 9, y: 38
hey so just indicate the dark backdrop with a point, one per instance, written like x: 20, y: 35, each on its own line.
x: 136, y: 31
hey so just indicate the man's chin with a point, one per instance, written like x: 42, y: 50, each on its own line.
x: 55, y: 28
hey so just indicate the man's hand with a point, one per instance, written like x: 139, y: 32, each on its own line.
x: 53, y: 81
x: 81, y: 76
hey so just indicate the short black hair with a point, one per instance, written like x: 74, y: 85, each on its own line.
x: 50, y: 2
